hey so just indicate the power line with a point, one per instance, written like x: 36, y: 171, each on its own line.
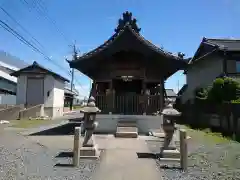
x: 12, y: 31
x: 24, y: 29
x: 41, y: 10
x: 26, y: 42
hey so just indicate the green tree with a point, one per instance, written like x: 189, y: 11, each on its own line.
x: 201, y: 93
x: 223, y: 90
x: 216, y: 92
x: 222, y: 93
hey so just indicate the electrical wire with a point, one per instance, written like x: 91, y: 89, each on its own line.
x: 26, y: 42
x: 41, y: 10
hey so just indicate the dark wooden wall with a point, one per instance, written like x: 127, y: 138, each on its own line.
x: 129, y: 65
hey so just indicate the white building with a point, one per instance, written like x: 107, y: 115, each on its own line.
x: 37, y: 85
x: 8, y: 84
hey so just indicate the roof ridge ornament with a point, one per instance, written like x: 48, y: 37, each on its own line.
x: 181, y: 55
x: 127, y: 20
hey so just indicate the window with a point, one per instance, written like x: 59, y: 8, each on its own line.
x: 238, y: 66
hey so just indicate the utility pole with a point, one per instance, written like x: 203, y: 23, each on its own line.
x: 72, y: 72
x: 178, y: 85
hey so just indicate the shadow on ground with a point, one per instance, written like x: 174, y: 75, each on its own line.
x: 65, y: 158
x: 156, y: 157
x: 65, y: 129
x: 76, y: 119
x: 63, y: 165
x: 147, y: 155
x: 65, y: 155
x: 170, y: 167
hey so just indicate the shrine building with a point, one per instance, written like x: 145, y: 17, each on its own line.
x: 128, y: 71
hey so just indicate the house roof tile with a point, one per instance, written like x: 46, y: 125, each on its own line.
x: 36, y: 65
x: 228, y: 44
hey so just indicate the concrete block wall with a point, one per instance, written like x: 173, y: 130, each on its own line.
x: 145, y: 124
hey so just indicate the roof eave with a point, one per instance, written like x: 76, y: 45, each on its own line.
x: 17, y: 73
x: 107, y: 44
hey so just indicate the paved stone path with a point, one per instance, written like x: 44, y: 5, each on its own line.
x: 120, y: 161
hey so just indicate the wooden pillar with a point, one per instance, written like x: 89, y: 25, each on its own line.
x: 110, y: 97
x: 93, y: 90
x: 162, y: 94
x: 145, y: 100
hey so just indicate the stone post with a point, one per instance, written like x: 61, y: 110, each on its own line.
x: 77, y: 132
x: 183, y: 149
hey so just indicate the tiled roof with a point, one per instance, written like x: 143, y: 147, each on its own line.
x: 117, y: 35
x: 228, y: 44
x: 36, y: 65
x: 170, y: 93
x: 218, y: 44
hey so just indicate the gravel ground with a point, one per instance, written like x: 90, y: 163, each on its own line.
x: 207, y: 159
x: 22, y: 159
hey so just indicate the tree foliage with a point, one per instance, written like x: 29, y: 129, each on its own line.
x: 222, y: 90
x: 201, y: 93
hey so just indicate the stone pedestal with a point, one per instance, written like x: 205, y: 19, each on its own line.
x: 167, y: 153
x: 172, y: 144
x: 170, y: 151
x: 90, y: 150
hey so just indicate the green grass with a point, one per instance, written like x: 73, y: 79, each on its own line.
x: 77, y: 107
x: 207, y: 136
x: 26, y: 123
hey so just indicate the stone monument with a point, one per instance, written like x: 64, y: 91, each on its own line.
x: 89, y: 147
x: 169, y: 115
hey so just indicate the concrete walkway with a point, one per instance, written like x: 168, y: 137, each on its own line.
x: 120, y: 161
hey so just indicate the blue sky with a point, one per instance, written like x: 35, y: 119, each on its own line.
x: 175, y: 25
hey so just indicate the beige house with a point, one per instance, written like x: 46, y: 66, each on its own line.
x: 213, y: 58
x: 37, y: 85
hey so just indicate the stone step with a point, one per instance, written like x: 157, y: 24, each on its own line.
x: 127, y: 129
x: 126, y: 134
x: 158, y: 134
x: 89, y: 152
x: 127, y: 124
x: 175, y: 154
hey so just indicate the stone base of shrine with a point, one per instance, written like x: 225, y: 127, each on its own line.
x: 171, y: 154
x: 127, y: 129
x: 108, y: 123
x: 90, y: 152
x: 127, y: 134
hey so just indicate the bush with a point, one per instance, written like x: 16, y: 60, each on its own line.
x: 201, y: 93
x: 223, y: 90
x: 215, y: 93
